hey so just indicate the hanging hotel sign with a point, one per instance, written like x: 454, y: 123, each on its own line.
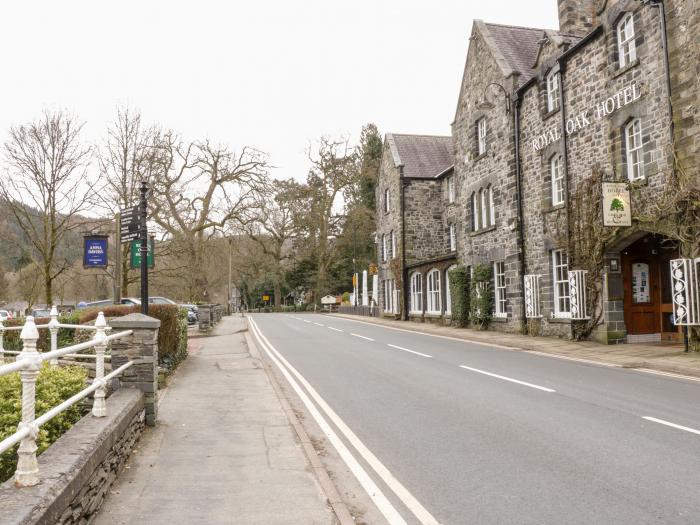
x: 616, y: 204
x: 95, y: 251
x: 583, y: 119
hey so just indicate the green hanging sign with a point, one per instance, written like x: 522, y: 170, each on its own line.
x: 135, y: 253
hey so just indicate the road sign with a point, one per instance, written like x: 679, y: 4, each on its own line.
x: 129, y: 223
x: 266, y: 297
x: 135, y: 253
x: 95, y: 251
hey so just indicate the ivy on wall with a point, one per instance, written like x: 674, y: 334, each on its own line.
x: 459, y: 295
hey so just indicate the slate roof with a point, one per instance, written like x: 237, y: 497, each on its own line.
x: 422, y: 156
x: 518, y: 45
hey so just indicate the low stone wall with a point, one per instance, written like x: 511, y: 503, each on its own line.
x: 78, y: 469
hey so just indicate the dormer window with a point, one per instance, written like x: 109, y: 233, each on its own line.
x: 481, y: 136
x: 626, y: 48
x: 553, y: 91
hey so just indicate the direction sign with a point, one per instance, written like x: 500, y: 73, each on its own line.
x: 129, y: 224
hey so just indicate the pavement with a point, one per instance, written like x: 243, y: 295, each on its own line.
x: 224, y: 449
x: 453, y: 430
x: 662, y: 357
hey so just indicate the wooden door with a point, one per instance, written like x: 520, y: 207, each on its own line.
x: 640, y: 273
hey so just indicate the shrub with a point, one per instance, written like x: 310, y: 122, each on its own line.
x: 459, y: 293
x: 481, y: 297
x: 346, y: 297
x: 53, y: 386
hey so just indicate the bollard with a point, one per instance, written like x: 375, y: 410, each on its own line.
x: 27, y: 473
x: 99, y: 406
x: 53, y: 329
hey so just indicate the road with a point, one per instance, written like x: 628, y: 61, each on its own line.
x: 463, y: 432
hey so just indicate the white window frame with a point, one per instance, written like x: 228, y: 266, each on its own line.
x: 386, y: 201
x: 453, y: 238
x: 634, y: 150
x: 383, y: 247
x: 389, y: 295
x: 553, y: 91
x: 481, y: 135
x: 450, y: 189
x: 492, y: 210
x: 392, y: 244
x: 476, y: 211
x: 499, y: 289
x: 416, y: 293
x: 560, y: 284
x: 626, y: 46
x: 485, y: 223
x: 556, y: 173
x: 434, y: 304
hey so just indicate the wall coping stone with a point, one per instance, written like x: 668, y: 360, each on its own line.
x: 69, y: 463
x: 134, y: 321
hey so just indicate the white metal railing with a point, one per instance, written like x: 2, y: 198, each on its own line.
x: 685, y: 286
x: 577, y: 295
x: 532, y: 296
x: 28, y: 363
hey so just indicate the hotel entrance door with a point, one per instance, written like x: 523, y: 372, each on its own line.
x: 647, y: 290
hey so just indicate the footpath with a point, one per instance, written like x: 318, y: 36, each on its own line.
x: 657, y: 357
x: 223, y: 450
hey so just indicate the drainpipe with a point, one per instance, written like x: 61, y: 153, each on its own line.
x: 519, y: 197
x: 404, y: 272
x: 565, y: 155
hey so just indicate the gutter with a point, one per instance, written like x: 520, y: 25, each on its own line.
x: 519, y: 200
x: 404, y: 270
x: 661, y: 6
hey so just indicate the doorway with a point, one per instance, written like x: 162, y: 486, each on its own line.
x: 648, y: 307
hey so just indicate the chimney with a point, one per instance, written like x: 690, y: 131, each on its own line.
x: 576, y: 16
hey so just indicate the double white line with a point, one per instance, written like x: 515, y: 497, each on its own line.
x: 296, y: 380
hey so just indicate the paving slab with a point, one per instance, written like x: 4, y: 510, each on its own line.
x: 223, y: 450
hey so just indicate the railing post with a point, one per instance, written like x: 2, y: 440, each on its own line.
x: 99, y: 407
x: 53, y: 329
x: 2, y: 348
x: 27, y: 473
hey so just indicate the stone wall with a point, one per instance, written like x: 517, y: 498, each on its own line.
x: 494, y: 168
x: 78, y: 469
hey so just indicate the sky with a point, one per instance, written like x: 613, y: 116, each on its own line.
x: 270, y: 74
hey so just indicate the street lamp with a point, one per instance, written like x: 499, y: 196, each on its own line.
x: 485, y: 104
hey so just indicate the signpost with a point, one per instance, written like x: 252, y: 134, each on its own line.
x: 95, y: 251
x: 129, y: 224
x: 135, y: 253
x: 144, y: 247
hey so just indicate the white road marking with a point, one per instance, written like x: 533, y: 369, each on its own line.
x: 577, y: 359
x: 362, y: 336
x: 407, y: 350
x: 318, y: 324
x: 307, y: 321
x: 669, y: 424
x: 336, y: 329
x: 494, y: 345
x: 374, y: 492
x: 545, y: 389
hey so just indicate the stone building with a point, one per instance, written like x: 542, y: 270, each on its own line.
x: 550, y: 127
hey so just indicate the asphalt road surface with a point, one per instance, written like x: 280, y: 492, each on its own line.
x: 464, y: 432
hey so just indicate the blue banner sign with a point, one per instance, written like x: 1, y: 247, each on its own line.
x: 95, y: 251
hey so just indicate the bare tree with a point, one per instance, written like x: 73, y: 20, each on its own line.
x: 197, y: 189
x: 46, y: 186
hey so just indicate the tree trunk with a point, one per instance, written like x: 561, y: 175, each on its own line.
x: 278, y: 294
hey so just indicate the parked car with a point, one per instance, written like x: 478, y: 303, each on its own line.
x: 107, y: 302
x: 41, y: 312
x: 192, y: 311
x: 161, y: 300
x: 5, y: 315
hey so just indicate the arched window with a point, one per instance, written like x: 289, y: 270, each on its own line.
x: 392, y: 245
x: 384, y: 247
x: 633, y: 147
x: 483, y: 199
x: 434, y: 305
x: 557, y: 175
x: 626, y: 47
x: 475, y: 211
x: 448, y: 292
x: 492, y: 211
x: 553, y: 91
x: 416, y: 293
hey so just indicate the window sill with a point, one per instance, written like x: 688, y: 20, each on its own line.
x: 560, y: 320
x: 480, y: 156
x: 554, y: 207
x: 483, y: 230
x: 548, y: 114
x: 499, y: 318
x: 638, y: 183
x: 433, y: 315
x: 621, y: 71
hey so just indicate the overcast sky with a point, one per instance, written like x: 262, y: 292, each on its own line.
x: 271, y: 74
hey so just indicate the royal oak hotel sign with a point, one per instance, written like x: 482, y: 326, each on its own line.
x: 616, y: 204
x: 583, y: 119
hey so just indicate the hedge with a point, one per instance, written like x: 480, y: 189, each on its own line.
x: 459, y: 295
x: 54, y: 385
